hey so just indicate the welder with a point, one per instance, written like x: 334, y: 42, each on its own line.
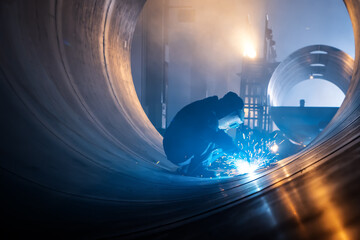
x: 200, y: 128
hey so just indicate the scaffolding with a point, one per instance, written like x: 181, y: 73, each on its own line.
x: 253, y: 90
x: 254, y: 80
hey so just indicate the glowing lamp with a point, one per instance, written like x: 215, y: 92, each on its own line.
x: 249, y: 50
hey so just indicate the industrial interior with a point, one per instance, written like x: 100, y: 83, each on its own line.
x: 88, y: 89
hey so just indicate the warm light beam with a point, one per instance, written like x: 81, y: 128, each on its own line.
x: 249, y: 50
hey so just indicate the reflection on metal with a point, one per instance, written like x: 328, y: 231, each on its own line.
x: 302, y: 124
x: 80, y: 158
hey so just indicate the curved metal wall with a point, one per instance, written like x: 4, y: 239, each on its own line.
x: 77, y: 151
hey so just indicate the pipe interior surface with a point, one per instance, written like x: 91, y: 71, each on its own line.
x: 74, y: 135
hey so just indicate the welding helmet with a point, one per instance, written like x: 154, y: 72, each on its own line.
x: 230, y: 111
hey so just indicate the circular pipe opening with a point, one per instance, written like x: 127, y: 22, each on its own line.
x: 302, y: 123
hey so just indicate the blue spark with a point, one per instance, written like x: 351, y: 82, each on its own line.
x: 256, y: 151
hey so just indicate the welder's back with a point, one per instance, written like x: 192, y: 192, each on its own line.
x: 191, y: 131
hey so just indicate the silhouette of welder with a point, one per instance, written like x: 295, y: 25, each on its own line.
x: 199, y: 128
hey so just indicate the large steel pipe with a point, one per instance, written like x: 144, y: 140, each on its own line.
x: 311, y: 62
x: 317, y: 62
x: 79, y: 155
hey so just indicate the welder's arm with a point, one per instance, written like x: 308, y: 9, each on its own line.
x: 224, y: 141
x: 210, y: 132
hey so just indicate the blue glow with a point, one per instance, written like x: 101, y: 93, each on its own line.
x: 243, y: 167
x: 256, y: 151
x: 274, y: 148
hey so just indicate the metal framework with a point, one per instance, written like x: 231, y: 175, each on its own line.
x: 253, y: 89
x: 255, y: 77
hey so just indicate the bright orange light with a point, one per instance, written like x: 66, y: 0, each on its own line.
x: 244, y: 42
x: 249, y: 50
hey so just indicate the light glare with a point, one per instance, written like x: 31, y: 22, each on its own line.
x: 245, y: 167
x: 249, y: 50
x: 274, y: 148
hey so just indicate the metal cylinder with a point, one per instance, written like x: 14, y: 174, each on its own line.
x: 311, y: 62
x: 77, y: 151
